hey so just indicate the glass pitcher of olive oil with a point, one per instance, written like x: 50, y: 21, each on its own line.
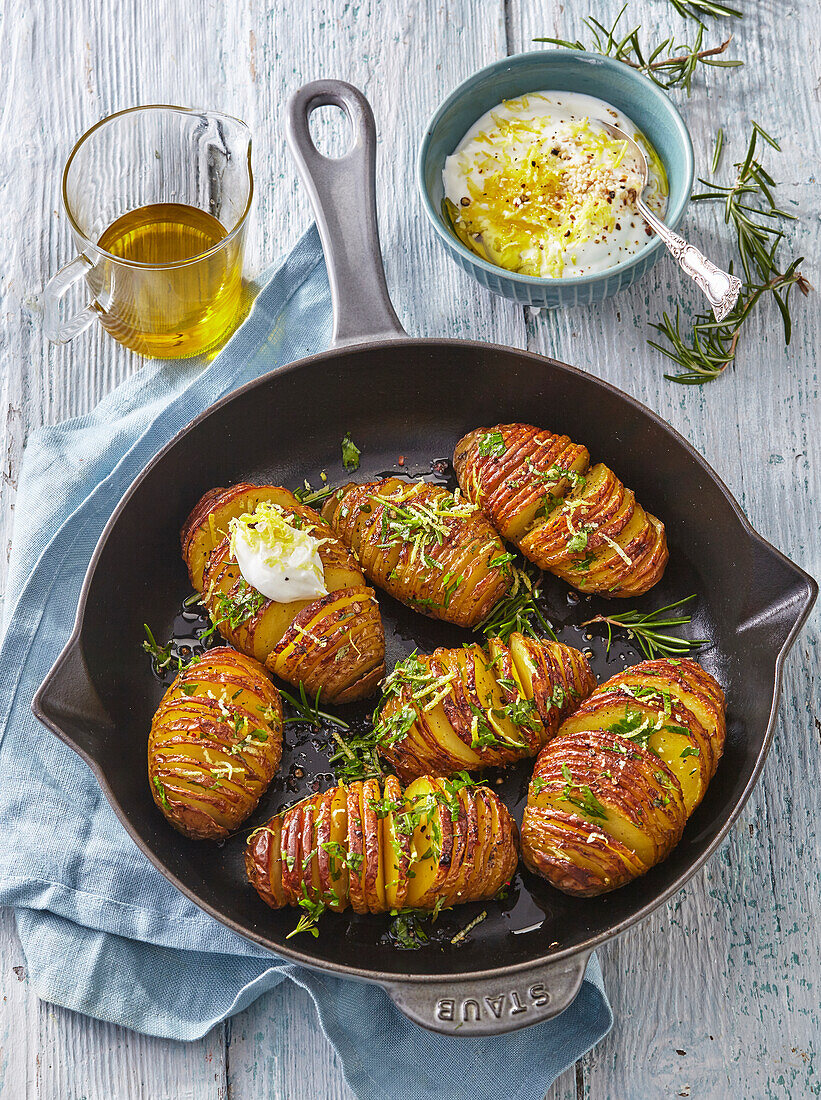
x: 157, y: 199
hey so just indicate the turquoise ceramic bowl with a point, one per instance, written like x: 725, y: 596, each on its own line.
x: 567, y: 71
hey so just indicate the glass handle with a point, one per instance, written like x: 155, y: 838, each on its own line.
x: 57, y: 330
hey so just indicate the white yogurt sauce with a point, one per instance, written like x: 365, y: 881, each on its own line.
x: 537, y: 187
x: 276, y: 557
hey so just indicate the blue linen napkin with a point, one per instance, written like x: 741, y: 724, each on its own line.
x: 102, y: 930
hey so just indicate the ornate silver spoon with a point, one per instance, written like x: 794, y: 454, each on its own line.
x: 721, y: 288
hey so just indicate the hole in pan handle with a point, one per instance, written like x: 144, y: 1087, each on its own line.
x: 343, y: 195
x: 491, y: 1006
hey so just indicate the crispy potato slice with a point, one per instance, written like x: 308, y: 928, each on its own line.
x: 424, y: 547
x: 337, y: 850
x: 431, y: 844
x: 372, y: 818
x: 503, y: 854
x: 450, y: 805
x: 574, y: 855
x: 263, y: 862
x: 356, y: 848
x: 336, y: 644
x: 577, y: 522
x: 396, y: 850
x: 215, y: 744
x: 484, y: 844
x: 470, y: 853
x: 292, y: 876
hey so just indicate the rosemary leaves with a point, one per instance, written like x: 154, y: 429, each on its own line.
x: 667, y: 63
x: 758, y: 223
x: 650, y: 630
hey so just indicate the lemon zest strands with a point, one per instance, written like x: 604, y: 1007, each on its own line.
x: 533, y: 197
x: 420, y: 523
x: 276, y: 556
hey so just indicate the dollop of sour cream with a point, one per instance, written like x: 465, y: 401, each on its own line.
x: 535, y: 186
x: 276, y: 556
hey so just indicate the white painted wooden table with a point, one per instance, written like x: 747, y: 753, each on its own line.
x: 716, y: 995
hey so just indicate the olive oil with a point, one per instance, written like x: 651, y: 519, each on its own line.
x: 169, y: 299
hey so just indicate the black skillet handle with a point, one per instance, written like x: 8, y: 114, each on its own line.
x: 491, y: 1006
x: 343, y: 196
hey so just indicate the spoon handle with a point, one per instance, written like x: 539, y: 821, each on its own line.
x: 721, y: 288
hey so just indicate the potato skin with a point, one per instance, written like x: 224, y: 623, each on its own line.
x: 446, y: 576
x: 215, y: 744
x: 332, y: 643
x: 576, y: 521
x: 458, y: 868
x: 611, y: 794
x: 495, y: 705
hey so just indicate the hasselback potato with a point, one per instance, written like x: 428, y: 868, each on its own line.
x: 334, y: 643
x: 569, y: 518
x: 611, y: 794
x: 425, y: 546
x: 473, y: 708
x: 374, y: 849
x: 215, y: 743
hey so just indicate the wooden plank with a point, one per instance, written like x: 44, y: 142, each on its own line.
x: 717, y: 994
x: 276, y: 1049
x: 46, y: 1051
x: 727, y: 971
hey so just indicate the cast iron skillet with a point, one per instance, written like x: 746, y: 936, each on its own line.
x: 415, y: 398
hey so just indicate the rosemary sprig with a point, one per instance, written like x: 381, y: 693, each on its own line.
x: 167, y: 658
x: 161, y: 655
x: 356, y: 757
x: 674, y: 71
x: 307, y: 710
x: 695, y: 9
x: 649, y: 630
x: 518, y: 610
x: 750, y: 207
x: 463, y: 932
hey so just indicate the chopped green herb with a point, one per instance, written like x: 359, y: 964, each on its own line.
x: 161, y: 792
x: 313, y: 911
x: 406, y: 519
x: 308, y: 495
x: 350, y: 453
x: 234, y: 610
x: 585, y: 800
x: 516, y: 612
x: 491, y: 445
